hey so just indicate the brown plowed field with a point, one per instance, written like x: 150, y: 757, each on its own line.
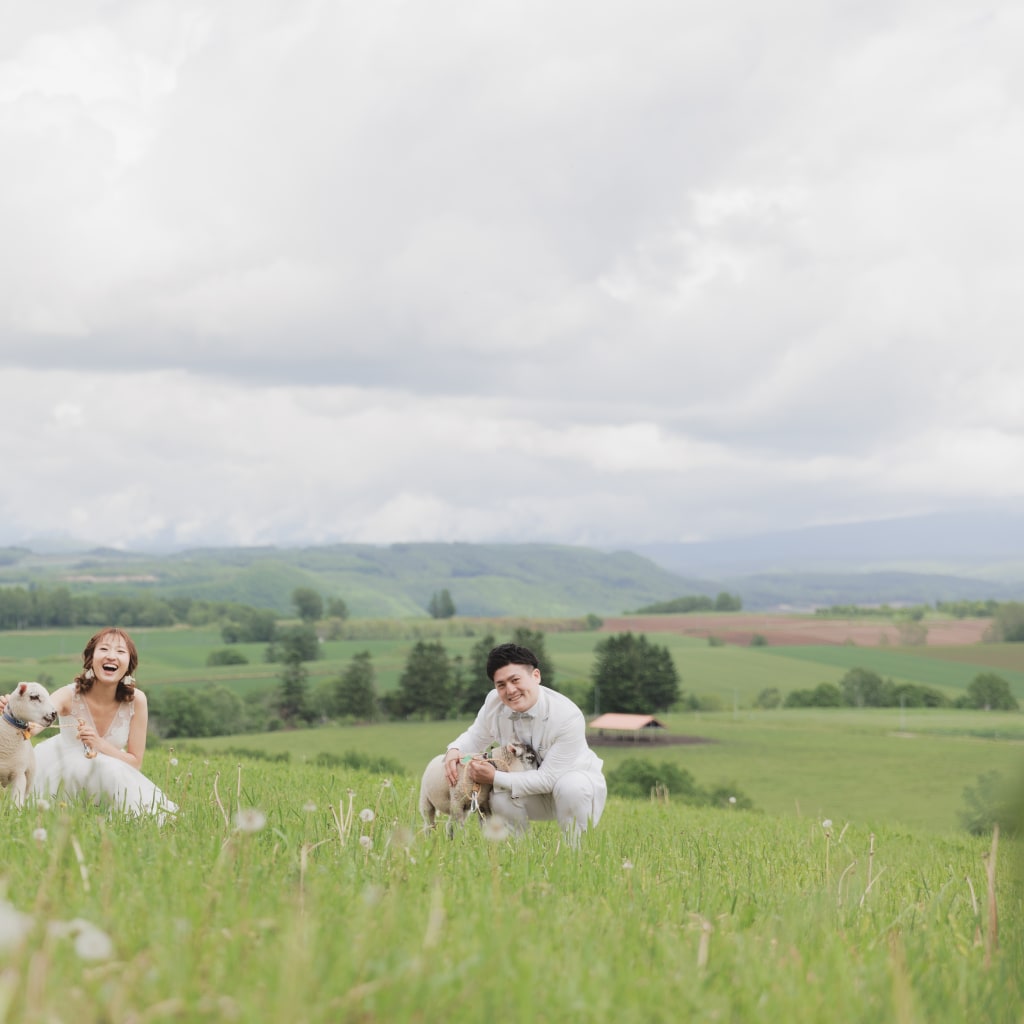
x: 793, y: 630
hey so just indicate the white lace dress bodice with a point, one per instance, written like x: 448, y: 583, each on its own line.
x: 63, y: 767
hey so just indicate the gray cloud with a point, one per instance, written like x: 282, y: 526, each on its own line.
x: 311, y: 272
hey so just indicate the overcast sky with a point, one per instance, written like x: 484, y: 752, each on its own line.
x: 588, y: 272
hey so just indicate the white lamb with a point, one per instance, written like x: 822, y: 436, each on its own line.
x: 28, y: 704
x: 457, y: 801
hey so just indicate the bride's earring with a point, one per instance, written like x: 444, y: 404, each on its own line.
x: 89, y: 674
x: 129, y: 681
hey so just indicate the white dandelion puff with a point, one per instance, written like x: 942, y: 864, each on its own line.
x: 174, y: 762
x: 366, y: 815
x: 39, y: 835
x: 366, y: 842
x: 309, y: 806
x: 14, y: 926
x: 386, y: 784
x: 732, y: 800
x: 91, y: 943
x: 249, y: 819
x: 827, y: 823
x: 43, y: 804
x: 627, y: 864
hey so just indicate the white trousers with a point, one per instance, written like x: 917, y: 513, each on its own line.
x: 576, y: 802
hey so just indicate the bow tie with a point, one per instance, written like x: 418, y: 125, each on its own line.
x: 517, y: 715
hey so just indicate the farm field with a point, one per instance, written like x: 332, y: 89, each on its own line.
x: 732, y: 675
x: 792, y: 630
x: 907, y: 768
x: 287, y: 891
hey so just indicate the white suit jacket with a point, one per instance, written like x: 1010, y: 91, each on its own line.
x: 555, y: 727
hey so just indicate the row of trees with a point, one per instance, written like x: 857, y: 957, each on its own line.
x: 55, y: 607
x: 630, y: 674
x: 49, y: 607
x: 863, y: 688
x: 724, y: 602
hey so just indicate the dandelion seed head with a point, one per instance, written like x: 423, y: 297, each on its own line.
x: 92, y: 943
x: 309, y: 806
x: 732, y: 799
x: 827, y: 823
x: 366, y: 815
x: 386, y: 784
x: 39, y: 835
x: 627, y: 864
x: 249, y: 819
x: 43, y: 804
x: 174, y: 762
x: 366, y: 842
x: 14, y: 926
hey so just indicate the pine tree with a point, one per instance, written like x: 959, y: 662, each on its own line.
x: 425, y: 689
x: 293, y: 694
x: 633, y: 676
x: 354, y: 694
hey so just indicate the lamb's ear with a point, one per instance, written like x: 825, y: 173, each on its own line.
x: 22, y: 687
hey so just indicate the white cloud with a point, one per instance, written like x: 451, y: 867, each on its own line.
x: 315, y: 271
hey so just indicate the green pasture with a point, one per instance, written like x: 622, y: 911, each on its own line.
x: 904, y: 767
x: 874, y: 767
x: 323, y: 902
x: 733, y: 675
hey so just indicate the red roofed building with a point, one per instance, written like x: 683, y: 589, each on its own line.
x: 636, y: 724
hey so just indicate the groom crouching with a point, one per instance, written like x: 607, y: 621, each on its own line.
x: 568, y: 785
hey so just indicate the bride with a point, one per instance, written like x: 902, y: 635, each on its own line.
x: 102, y: 739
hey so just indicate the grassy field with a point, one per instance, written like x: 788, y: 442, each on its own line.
x: 873, y: 767
x: 322, y: 902
x: 733, y: 674
x: 886, y: 766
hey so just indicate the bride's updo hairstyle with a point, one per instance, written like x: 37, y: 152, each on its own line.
x: 126, y: 685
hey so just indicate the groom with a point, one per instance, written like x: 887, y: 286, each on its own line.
x: 568, y: 784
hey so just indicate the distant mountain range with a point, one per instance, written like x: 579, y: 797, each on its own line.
x: 896, y: 562
x: 980, y: 544
x: 921, y: 559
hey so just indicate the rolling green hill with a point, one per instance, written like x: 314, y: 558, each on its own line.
x: 393, y: 581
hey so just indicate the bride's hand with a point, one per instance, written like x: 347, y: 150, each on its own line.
x: 87, y: 734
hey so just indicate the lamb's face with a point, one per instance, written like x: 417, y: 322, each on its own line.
x: 31, y: 703
x: 522, y: 758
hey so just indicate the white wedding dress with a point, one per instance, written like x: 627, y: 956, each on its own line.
x: 63, y: 768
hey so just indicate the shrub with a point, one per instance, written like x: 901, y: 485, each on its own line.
x: 639, y: 779
x: 989, y: 802
x: 360, y: 762
x: 989, y: 692
x: 226, y: 656
x: 636, y: 778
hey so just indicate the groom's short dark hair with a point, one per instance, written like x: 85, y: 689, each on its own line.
x: 509, y: 654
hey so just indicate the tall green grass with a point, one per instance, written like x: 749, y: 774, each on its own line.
x: 665, y: 913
